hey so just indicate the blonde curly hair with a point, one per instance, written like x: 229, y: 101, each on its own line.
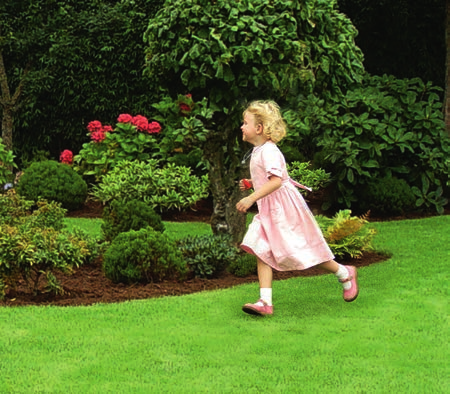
x: 267, y: 113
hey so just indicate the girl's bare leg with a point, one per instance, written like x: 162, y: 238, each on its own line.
x: 265, y: 275
x: 330, y: 265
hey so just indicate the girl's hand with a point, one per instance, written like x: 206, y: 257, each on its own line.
x: 244, y: 204
x: 245, y: 184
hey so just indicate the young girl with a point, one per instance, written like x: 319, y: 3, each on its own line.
x: 284, y: 234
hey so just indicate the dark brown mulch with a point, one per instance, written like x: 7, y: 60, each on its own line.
x: 87, y: 285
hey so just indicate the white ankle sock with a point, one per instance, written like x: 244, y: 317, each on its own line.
x: 342, y: 273
x: 266, y: 295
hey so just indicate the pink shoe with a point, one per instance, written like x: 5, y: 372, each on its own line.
x: 253, y: 309
x: 351, y: 294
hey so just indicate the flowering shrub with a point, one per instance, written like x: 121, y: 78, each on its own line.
x: 133, y: 138
x: 186, y: 126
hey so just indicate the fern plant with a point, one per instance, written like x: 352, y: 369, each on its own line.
x: 347, y: 235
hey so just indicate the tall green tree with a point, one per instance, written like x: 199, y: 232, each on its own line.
x: 250, y: 49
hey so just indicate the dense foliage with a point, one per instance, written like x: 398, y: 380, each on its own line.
x: 53, y: 181
x: 133, y: 138
x: 84, y: 58
x: 387, y: 196
x: 143, y: 256
x: 33, y: 245
x: 207, y: 256
x: 122, y: 216
x: 163, y: 189
x: 234, y: 52
x: 385, y: 127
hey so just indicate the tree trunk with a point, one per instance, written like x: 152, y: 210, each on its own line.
x: 224, y: 171
x: 447, y: 68
x: 7, y: 128
x: 9, y: 105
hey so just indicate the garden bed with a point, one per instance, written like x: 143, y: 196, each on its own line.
x: 88, y: 285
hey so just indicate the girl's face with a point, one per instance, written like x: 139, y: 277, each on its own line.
x: 251, y: 132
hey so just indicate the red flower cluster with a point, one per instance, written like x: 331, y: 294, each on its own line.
x: 141, y: 122
x: 185, y: 107
x: 66, y: 157
x: 98, y: 131
x: 98, y: 136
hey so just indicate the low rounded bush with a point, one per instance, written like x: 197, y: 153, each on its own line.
x: 53, y: 181
x: 122, y: 216
x: 207, y: 255
x: 143, y: 256
x: 387, y: 196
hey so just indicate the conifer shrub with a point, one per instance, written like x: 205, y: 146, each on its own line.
x: 53, y: 181
x: 387, y: 196
x: 207, y: 256
x: 143, y: 256
x: 122, y: 216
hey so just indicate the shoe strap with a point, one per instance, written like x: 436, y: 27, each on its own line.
x: 349, y: 279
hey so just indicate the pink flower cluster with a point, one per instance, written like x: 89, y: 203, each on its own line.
x: 66, y: 157
x: 98, y: 131
x: 141, y: 122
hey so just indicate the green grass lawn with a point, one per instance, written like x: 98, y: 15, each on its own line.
x: 392, y: 339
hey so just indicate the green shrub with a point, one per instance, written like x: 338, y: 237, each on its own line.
x: 303, y: 174
x: 387, y: 196
x: 31, y: 253
x: 143, y: 256
x: 53, y: 181
x: 123, y: 216
x: 383, y: 127
x: 13, y: 207
x: 346, y: 235
x: 207, y: 255
x: 163, y: 189
x: 244, y: 265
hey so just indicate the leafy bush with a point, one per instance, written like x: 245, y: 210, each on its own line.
x: 6, y: 165
x: 207, y: 255
x: 386, y: 196
x: 32, y: 253
x: 13, y: 207
x: 33, y: 244
x: 123, y: 216
x: 53, y: 181
x: 243, y: 265
x: 163, y: 189
x: 383, y: 127
x: 313, y: 178
x: 133, y: 138
x: 143, y: 256
x: 346, y: 235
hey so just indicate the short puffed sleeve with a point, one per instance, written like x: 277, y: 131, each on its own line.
x: 273, y: 161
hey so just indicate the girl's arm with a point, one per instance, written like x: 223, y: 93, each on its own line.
x: 270, y: 186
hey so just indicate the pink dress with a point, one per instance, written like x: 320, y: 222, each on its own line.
x: 284, y: 234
